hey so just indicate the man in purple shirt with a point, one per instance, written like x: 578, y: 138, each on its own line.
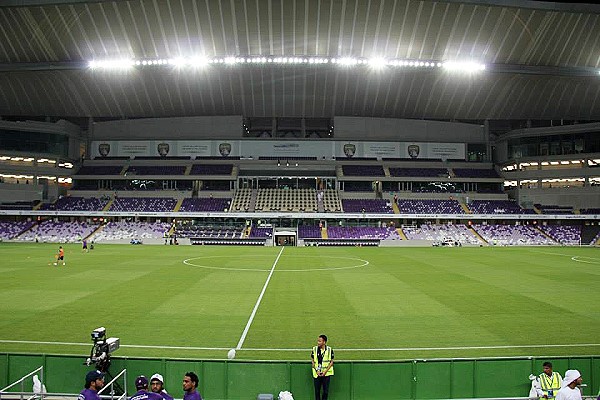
x: 157, y: 386
x: 141, y: 384
x: 190, y: 383
x: 94, y: 381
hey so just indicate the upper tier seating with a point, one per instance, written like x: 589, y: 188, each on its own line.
x: 430, y: 207
x: 294, y: 200
x: 512, y: 235
x: 156, y: 204
x: 376, y: 206
x: 156, y: 170
x: 124, y: 230
x: 337, y: 232
x: 439, y: 233
x: 331, y: 201
x: 211, y: 169
x: 16, y: 205
x: 204, y: 204
x: 363, y: 170
x: 72, y: 203
x: 475, y: 173
x: 241, y: 200
x: 10, y: 229
x: 60, y: 232
x: 497, y: 207
x: 419, y: 172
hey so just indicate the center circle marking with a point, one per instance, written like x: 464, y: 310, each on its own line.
x: 362, y: 263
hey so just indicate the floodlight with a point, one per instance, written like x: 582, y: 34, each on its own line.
x: 347, y: 61
x: 464, y: 66
x: 377, y: 62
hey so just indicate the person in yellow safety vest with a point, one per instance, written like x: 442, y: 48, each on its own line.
x: 322, y: 367
x: 550, y: 382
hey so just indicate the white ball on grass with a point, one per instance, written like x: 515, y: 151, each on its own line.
x: 231, y: 354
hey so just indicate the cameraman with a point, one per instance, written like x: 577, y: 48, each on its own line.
x: 94, y: 381
x: 157, y: 386
x: 141, y: 384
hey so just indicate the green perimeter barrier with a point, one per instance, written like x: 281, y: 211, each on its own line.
x: 219, y: 379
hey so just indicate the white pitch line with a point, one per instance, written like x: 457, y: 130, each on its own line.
x: 247, y: 328
x: 137, y: 346
x: 577, y: 258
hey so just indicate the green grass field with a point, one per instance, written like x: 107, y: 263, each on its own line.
x: 420, y: 302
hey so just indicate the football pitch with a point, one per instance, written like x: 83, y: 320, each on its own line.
x: 272, y: 303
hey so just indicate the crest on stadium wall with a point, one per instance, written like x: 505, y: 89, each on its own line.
x: 413, y: 150
x: 163, y: 149
x: 349, y: 149
x: 225, y: 149
x: 104, y: 149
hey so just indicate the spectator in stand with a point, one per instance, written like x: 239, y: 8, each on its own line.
x: 141, y: 384
x: 157, y: 386
x: 190, y: 385
x: 94, y: 381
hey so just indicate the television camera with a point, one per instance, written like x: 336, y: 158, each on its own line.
x: 102, y: 349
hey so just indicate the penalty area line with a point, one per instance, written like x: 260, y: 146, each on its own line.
x: 138, y: 346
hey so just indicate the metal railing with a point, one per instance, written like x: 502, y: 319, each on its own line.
x: 22, y: 393
x: 111, y: 385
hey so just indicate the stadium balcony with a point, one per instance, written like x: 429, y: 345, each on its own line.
x: 156, y: 170
x: 475, y: 173
x: 554, y: 209
x: 100, y: 170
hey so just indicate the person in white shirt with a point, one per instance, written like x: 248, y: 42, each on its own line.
x: 569, y: 390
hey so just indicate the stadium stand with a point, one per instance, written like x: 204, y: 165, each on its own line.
x: 242, y: 200
x: 59, y: 232
x: 363, y: 170
x: 338, y: 232
x: 211, y: 169
x: 204, y: 204
x: 140, y: 204
x: 309, y: 231
x: 497, y: 207
x: 73, y: 203
x: 295, y: 200
x: 419, y: 172
x: 156, y: 170
x: 475, y: 173
x: 377, y: 206
x: 554, y: 209
x: 259, y: 232
x: 512, y: 235
x: 564, y: 234
x: 440, y: 233
x: 208, y: 231
x: 429, y: 207
x: 10, y: 230
x: 127, y: 230
x: 100, y: 170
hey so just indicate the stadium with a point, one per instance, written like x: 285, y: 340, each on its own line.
x: 216, y: 184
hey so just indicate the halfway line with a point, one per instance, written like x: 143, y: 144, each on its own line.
x: 241, y: 342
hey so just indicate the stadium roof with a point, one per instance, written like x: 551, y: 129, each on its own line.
x: 542, y: 59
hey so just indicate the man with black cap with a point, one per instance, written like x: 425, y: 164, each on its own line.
x: 141, y: 384
x: 94, y: 381
x: 569, y: 390
x: 157, y: 386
